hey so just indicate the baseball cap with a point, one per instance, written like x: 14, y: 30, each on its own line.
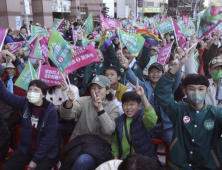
x: 157, y: 65
x: 102, y: 81
x: 10, y: 65
x: 216, y: 61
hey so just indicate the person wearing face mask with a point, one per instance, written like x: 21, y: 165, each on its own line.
x: 197, y: 126
x: 38, y: 136
x: 93, y: 131
x: 164, y: 127
x: 215, y: 70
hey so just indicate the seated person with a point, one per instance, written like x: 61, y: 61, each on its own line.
x: 39, y: 123
x: 117, y: 89
x: 96, y: 117
x: 132, y: 128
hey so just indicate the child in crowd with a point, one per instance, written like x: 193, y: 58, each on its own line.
x: 132, y: 128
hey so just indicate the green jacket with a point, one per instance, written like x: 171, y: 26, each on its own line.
x: 196, y: 137
x: 137, y: 68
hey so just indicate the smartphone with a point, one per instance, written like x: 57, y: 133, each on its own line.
x: 219, y: 89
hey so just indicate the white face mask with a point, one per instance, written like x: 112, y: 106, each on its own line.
x: 33, y: 97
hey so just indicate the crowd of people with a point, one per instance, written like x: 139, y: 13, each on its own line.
x: 111, y: 110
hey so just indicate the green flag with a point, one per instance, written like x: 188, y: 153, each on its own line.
x: 153, y: 59
x: 36, y: 30
x: 27, y: 75
x: 133, y: 42
x: 57, y: 24
x: 137, y: 24
x: 165, y: 26
x: 208, y: 19
x: 88, y: 25
x: 36, y: 51
x: 60, y: 51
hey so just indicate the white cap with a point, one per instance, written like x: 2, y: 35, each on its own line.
x: 10, y: 65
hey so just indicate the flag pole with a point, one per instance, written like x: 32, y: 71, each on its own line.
x: 174, y: 32
x: 30, y: 69
x: 40, y: 65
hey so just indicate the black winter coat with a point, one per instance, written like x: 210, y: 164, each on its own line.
x: 93, y: 145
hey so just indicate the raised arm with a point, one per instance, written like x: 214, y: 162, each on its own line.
x: 130, y: 74
x: 144, y: 59
x: 11, y: 99
x: 163, y: 90
x: 150, y: 117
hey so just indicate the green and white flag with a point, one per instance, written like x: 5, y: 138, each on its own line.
x: 88, y: 25
x: 36, y: 30
x: 57, y: 24
x: 153, y: 59
x: 60, y: 51
x: 133, y: 42
x: 27, y: 75
x: 138, y: 25
x: 165, y: 26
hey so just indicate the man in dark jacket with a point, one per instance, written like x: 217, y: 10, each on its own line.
x: 22, y: 36
x: 4, y: 138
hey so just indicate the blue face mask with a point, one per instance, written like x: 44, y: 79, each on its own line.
x: 196, y: 98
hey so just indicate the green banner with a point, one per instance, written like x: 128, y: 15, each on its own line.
x: 36, y: 30
x: 60, y: 51
x: 88, y: 25
x: 27, y: 75
x: 165, y: 26
x: 133, y: 42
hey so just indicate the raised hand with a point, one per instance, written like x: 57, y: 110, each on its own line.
x: 181, y: 57
x: 139, y: 90
x: 124, y: 62
x: 64, y: 86
x: 97, y: 102
x: 71, y: 95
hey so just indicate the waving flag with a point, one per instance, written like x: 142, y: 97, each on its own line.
x: 36, y: 30
x: 88, y: 25
x: 58, y: 23
x: 60, y: 51
x: 164, y: 54
x: 109, y: 23
x: 36, y: 52
x: 165, y: 26
x: 208, y: 19
x: 27, y: 75
x: 82, y: 57
x: 133, y: 42
x: 50, y: 75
